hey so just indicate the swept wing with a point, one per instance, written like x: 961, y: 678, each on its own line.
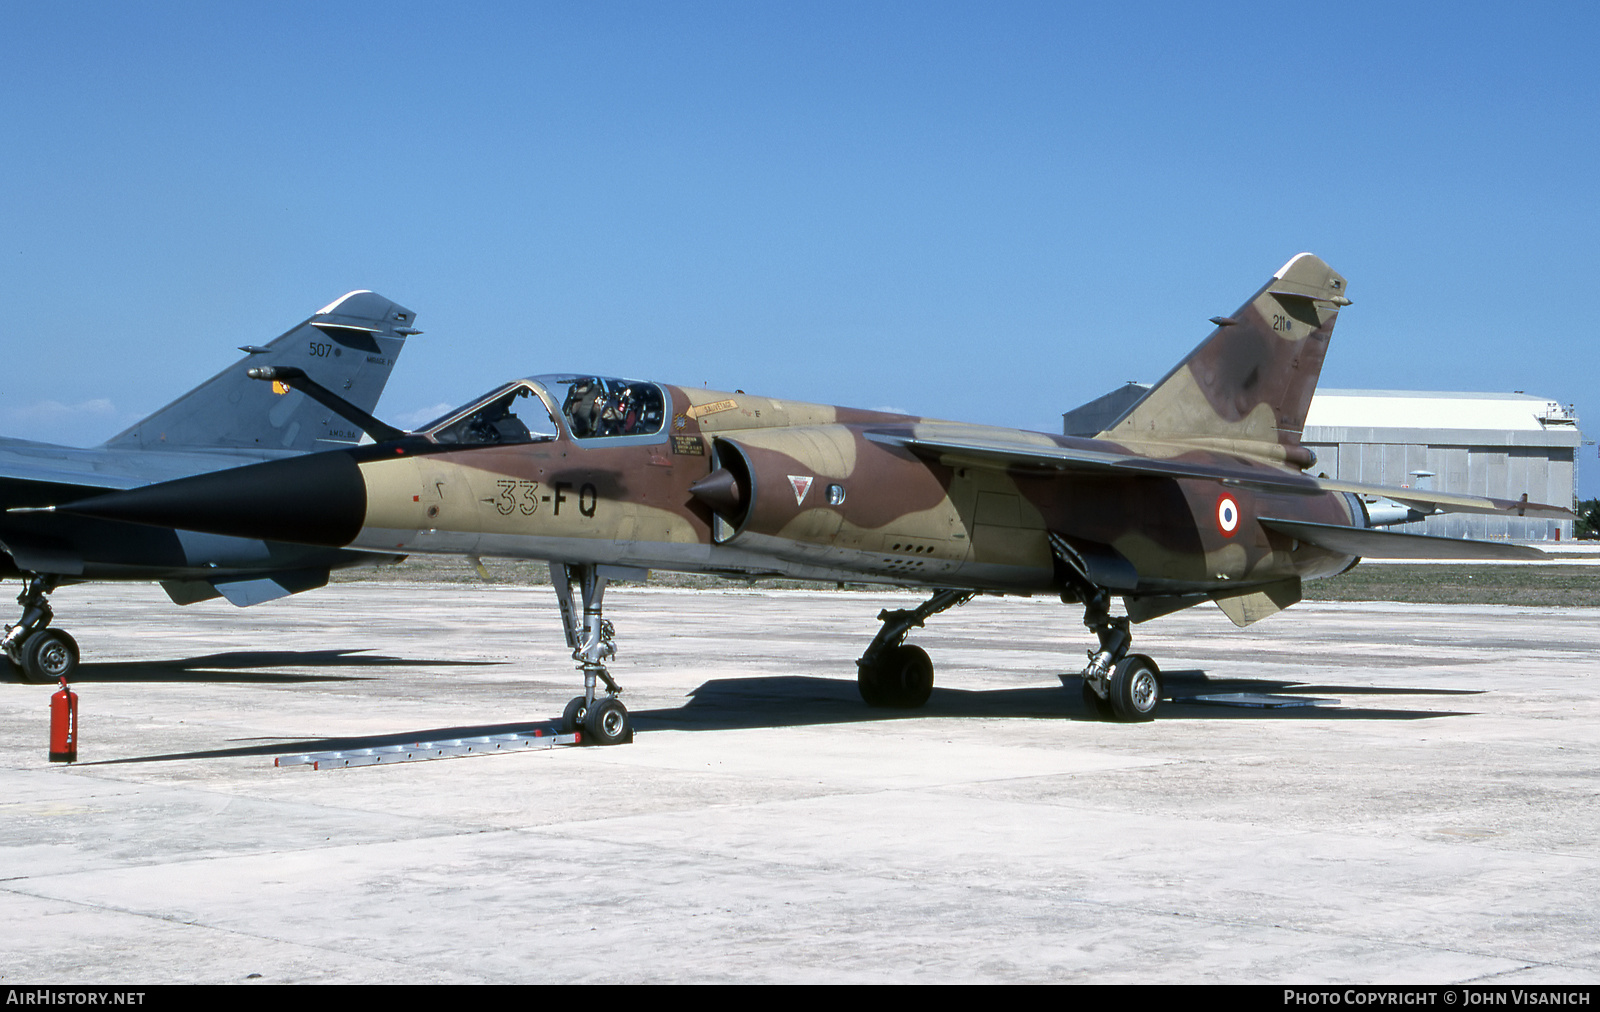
x: 1095, y: 456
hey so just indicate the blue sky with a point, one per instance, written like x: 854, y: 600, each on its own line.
x: 989, y: 212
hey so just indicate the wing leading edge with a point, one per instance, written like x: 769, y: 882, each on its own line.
x: 990, y: 451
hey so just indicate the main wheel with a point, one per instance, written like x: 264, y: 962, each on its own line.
x: 1099, y: 707
x: 869, y: 682
x: 902, y: 678
x: 607, y: 723
x: 48, y: 656
x: 1135, y: 689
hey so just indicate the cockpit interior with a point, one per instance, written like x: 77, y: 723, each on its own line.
x: 591, y: 408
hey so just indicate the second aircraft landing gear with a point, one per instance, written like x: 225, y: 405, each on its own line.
x: 894, y: 673
x: 603, y: 720
x: 41, y: 655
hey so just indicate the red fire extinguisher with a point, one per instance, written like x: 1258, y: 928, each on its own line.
x: 64, y: 725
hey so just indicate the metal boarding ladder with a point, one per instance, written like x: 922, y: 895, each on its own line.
x: 421, y: 751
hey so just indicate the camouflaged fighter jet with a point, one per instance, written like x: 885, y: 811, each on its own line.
x: 1199, y: 492
x: 350, y: 345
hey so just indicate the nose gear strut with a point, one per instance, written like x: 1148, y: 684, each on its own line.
x: 603, y: 720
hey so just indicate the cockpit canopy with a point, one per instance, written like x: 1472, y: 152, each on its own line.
x: 599, y: 408
x: 591, y: 407
x: 493, y: 419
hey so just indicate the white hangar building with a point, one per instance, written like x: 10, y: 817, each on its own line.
x: 1499, y: 445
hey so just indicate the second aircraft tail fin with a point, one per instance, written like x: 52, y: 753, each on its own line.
x: 349, y: 346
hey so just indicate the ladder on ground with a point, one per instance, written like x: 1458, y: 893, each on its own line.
x: 421, y: 751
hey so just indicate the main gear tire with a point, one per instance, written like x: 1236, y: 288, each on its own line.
x: 901, y: 679
x: 1135, y: 689
x: 1096, y: 705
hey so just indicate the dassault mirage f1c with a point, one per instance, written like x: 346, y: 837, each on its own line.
x: 1200, y: 492
x: 349, y: 345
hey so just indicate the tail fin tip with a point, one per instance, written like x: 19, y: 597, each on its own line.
x: 1309, y: 276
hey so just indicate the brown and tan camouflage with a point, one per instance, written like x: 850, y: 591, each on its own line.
x: 925, y: 502
x: 1202, y: 491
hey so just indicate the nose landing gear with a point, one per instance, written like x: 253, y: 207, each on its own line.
x: 602, y: 720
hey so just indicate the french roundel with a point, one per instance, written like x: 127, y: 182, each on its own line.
x: 1227, y: 515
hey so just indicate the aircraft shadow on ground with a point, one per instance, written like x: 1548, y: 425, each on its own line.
x: 733, y: 703
x: 246, y: 665
x: 729, y: 704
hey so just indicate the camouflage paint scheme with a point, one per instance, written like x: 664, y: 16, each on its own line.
x: 925, y: 502
x: 1200, y: 491
x: 904, y: 518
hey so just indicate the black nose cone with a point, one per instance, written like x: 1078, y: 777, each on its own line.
x: 317, y: 499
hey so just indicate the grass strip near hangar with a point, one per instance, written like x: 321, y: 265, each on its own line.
x: 1530, y: 585
x: 1416, y: 583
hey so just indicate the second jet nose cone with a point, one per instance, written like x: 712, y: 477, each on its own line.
x: 317, y: 499
x: 720, y: 490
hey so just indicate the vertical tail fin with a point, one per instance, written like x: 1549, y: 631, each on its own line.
x: 1251, y: 381
x: 349, y: 346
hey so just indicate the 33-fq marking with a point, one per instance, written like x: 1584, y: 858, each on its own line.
x: 523, y: 496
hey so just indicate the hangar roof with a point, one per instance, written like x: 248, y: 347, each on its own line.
x: 1413, y: 409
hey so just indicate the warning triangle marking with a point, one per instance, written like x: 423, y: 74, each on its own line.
x: 802, y: 485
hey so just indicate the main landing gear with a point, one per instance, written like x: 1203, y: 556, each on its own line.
x: 602, y: 720
x: 1117, y: 685
x: 892, y: 672
x: 41, y: 655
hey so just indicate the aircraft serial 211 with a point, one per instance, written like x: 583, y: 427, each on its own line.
x: 1199, y: 492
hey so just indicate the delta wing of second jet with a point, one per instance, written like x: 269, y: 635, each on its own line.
x: 350, y: 345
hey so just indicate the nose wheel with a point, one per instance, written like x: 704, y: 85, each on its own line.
x: 607, y: 723
x: 602, y: 722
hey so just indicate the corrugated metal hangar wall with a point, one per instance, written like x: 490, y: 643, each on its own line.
x: 1500, y: 445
